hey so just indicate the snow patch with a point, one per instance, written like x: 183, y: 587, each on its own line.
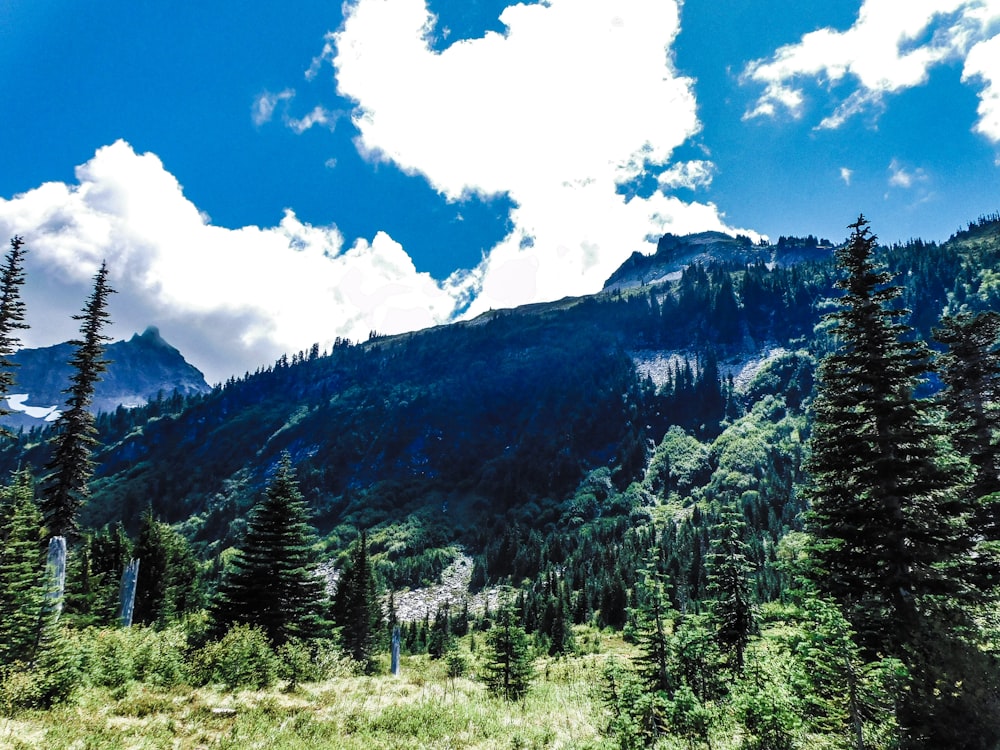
x: 16, y: 402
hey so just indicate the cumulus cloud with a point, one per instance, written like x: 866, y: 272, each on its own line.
x: 230, y: 299
x: 891, y: 47
x: 693, y: 174
x: 846, y: 174
x: 983, y: 63
x: 555, y: 120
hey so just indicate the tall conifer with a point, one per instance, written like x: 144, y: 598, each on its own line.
x: 11, y: 313
x: 357, y: 611
x: 889, y: 528
x: 508, y: 673
x: 274, y: 580
x: 72, y: 465
x: 970, y: 370
x: 21, y: 567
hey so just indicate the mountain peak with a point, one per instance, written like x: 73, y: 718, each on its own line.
x: 150, y: 337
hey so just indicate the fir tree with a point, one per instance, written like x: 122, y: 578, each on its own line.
x: 169, y: 580
x: 11, y: 314
x: 21, y: 567
x: 889, y: 530
x: 356, y: 608
x: 508, y: 672
x: 970, y: 371
x: 733, y: 608
x: 654, y: 639
x: 274, y: 581
x: 72, y: 465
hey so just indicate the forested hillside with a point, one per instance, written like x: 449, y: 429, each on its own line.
x: 770, y: 469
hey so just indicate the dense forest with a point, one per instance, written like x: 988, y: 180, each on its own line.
x: 770, y: 479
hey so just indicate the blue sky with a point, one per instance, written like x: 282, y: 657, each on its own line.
x: 261, y: 177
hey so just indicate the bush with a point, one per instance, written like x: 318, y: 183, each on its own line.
x: 243, y: 658
x: 50, y: 680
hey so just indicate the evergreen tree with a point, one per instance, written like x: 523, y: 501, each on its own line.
x: 356, y: 607
x: 654, y: 664
x: 274, y: 582
x: 888, y: 528
x: 151, y: 584
x: 440, y: 638
x: 21, y: 568
x: 970, y: 371
x: 65, y: 489
x: 733, y: 608
x: 509, y: 671
x: 11, y: 313
x: 169, y: 579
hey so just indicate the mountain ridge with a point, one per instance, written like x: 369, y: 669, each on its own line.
x: 140, y: 368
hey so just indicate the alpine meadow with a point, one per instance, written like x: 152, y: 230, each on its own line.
x: 745, y: 497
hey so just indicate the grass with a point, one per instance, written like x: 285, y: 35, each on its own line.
x: 422, y: 708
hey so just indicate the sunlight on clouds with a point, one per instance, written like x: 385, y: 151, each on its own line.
x: 688, y: 174
x: 891, y: 47
x: 230, y: 299
x: 983, y: 63
x: 555, y: 120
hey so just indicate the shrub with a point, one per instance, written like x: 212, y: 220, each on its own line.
x: 243, y: 658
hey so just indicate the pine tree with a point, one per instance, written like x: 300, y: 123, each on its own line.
x: 72, y: 465
x: 21, y: 568
x: 356, y: 607
x: 274, y: 581
x: 889, y: 530
x: 509, y: 672
x: 11, y: 314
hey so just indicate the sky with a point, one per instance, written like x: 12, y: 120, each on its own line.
x: 261, y: 176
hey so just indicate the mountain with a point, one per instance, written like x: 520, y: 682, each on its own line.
x: 525, y: 435
x: 141, y: 368
x: 674, y: 254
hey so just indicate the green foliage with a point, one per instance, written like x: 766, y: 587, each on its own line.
x: 890, y: 530
x: 72, y: 465
x: 274, y: 582
x: 508, y: 671
x: 357, y: 611
x: 733, y: 609
x: 21, y: 568
x: 11, y: 314
x: 243, y: 658
x: 638, y: 717
x: 168, y: 584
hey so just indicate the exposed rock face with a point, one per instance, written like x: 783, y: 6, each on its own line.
x: 674, y: 254
x: 140, y: 369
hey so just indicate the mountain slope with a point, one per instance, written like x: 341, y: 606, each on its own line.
x: 140, y: 368
x: 502, y: 432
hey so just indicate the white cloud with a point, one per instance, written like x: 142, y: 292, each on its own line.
x: 846, y: 174
x: 983, y: 63
x: 229, y: 299
x: 555, y: 120
x: 890, y: 47
x: 265, y: 104
x: 901, y: 177
x: 318, y: 116
x: 693, y: 174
